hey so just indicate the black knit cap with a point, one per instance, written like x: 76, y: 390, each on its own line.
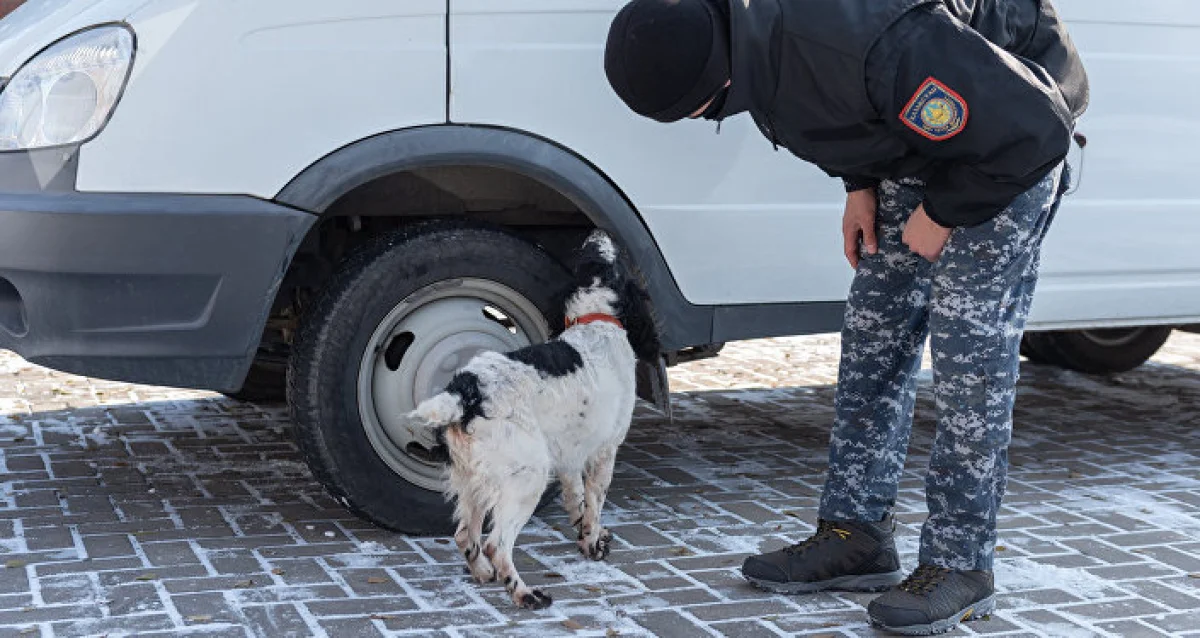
x: 666, y: 58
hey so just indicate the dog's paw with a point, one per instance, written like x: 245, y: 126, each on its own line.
x: 534, y: 599
x: 483, y: 574
x: 599, y: 549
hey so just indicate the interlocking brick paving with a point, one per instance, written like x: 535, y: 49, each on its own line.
x: 130, y: 510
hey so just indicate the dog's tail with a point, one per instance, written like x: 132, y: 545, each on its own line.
x: 438, y: 411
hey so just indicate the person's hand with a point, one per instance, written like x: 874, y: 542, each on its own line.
x: 924, y: 236
x: 858, y: 222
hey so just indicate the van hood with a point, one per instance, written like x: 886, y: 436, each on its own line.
x: 36, y: 25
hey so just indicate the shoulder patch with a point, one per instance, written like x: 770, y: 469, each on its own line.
x: 936, y: 111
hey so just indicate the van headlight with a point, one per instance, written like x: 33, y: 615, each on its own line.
x: 66, y: 93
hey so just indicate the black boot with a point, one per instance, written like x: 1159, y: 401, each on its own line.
x: 846, y: 556
x: 934, y: 600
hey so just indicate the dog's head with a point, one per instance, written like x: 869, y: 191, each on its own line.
x: 605, y: 285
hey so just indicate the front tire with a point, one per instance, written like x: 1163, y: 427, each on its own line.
x: 399, y: 318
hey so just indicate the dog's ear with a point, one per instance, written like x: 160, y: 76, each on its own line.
x: 638, y: 318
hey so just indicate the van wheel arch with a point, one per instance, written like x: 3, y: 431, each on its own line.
x: 320, y: 186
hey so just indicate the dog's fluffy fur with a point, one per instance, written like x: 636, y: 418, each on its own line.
x: 515, y: 421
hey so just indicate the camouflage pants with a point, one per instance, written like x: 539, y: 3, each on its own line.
x: 972, y: 304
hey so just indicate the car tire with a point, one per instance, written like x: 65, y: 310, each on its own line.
x: 414, y: 288
x: 1101, y: 351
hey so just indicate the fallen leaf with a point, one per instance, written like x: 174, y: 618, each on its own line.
x: 552, y: 575
x: 1001, y: 548
x: 611, y: 633
x: 594, y: 589
x: 199, y: 618
x: 572, y: 625
x: 244, y: 584
x: 15, y: 564
x: 683, y: 551
x: 148, y: 576
x: 277, y: 571
x: 1196, y: 575
x: 29, y: 608
x: 376, y: 580
x: 792, y: 514
x: 21, y: 439
x: 29, y: 630
x: 381, y: 617
x: 443, y: 541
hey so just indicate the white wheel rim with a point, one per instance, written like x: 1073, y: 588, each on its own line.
x: 443, y: 325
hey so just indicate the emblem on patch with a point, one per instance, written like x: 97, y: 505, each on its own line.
x: 936, y: 112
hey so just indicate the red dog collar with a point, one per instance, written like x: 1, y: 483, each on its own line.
x: 595, y: 318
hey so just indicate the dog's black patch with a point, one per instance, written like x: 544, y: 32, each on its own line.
x: 550, y: 359
x: 467, y: 387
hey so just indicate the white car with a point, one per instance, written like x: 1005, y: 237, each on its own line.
x: 364, y: 193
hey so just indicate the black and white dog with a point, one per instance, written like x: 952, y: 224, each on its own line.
x: 515, y: 421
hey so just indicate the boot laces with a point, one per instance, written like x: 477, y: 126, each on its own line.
x: 924, y: 579
x: 825, y: 531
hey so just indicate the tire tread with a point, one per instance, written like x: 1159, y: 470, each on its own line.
x: 324, y: 336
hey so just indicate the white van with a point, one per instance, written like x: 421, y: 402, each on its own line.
x: 206, y: 193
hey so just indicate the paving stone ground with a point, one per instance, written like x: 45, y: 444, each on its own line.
x: 130, y: 510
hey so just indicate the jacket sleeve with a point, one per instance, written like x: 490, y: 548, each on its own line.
x: 851, y: 183
x: 854, y: 184
x: 993, y: 125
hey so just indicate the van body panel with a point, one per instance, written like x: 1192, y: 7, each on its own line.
x: 240, y: 97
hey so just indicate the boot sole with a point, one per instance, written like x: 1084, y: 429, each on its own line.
x: 975, y: 611
x: 867, y: 583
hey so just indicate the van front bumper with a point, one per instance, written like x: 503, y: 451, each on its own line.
x: 159, y: 289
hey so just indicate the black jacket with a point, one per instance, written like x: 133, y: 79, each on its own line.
x: 976, y: 97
